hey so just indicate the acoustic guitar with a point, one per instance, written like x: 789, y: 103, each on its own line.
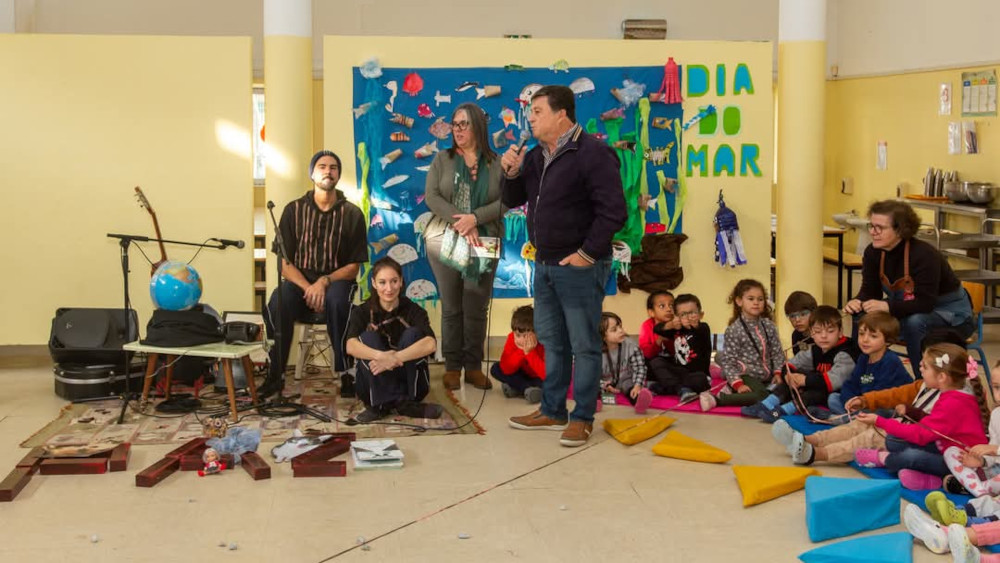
x: 144, y: 203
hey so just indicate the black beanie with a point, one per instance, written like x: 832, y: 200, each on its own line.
x: 319, y: 155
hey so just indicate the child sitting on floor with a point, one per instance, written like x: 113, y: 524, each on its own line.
x: 977, y: 471
x: 752, y: 352
x: 521, y: 368
x: 813, y: 373
x: 799, y: 308
x: 961, y: 541
x: 660, y: 308
x: 686, y: 371
x: 915, y: 451
x: 837, y: 445
x: 878, y: 367
x: 622, y: 368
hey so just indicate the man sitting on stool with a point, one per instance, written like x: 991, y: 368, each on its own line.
x: 325, y: 240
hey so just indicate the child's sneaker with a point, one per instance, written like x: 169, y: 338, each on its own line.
x: 802, y: 451
x: 509, y: 391
x: 533, y: 395
x: 962, y: 550
x: 706, y: 401
x: 954, y: 486
x: 918, y: 480
x: 922, y: 527
x: 868, y: 457
x: 642, y: 401
x: 783, y: 433
x: 752, y: 411
x: 943, y: 510
x: 771, y: 416
x: 687, y: 396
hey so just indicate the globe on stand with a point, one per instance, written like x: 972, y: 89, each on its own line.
x: 175, y: 286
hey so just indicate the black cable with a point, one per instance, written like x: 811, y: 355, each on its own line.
x: 197, y: 252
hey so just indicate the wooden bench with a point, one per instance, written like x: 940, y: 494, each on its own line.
x: 850, y: 264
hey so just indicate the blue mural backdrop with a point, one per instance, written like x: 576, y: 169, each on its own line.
x: 401, y: 119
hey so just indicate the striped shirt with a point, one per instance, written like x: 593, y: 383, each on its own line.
x: 560, y: 143
x: 318, y: 242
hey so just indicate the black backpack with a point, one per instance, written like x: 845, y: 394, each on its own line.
x: 182, y: 328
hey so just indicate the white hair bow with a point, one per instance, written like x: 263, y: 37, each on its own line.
x: 942, y: 360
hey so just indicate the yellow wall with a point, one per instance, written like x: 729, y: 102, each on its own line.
x: 87, y: 118
x: 749, y: 196
x: 902, y: 110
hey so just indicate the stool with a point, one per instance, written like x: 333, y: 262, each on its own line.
x: 314, y: 343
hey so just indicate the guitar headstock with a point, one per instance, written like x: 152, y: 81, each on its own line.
x: 143, y: 202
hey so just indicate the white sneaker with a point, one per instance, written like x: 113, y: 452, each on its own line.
x: 706, y: 401
x: 782, y: 432
x: 925, y: 529
x: 962, y: 550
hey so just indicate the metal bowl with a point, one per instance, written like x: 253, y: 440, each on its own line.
x: 955, y: 191
x: 980, y: 193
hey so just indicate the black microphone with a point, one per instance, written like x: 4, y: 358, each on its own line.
x: 270, y: 204
x: 525, y: 135
x: 227, y: 242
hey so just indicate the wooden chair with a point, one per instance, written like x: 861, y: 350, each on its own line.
x: 977, y: 295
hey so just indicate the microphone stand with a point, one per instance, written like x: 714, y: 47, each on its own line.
x: 280, y: 401
x: 124, y: 242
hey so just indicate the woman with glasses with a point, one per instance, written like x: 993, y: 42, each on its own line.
x: 909, y: 278
x: 463, y: 193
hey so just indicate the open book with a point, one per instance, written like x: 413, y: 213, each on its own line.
x: 368, y: 454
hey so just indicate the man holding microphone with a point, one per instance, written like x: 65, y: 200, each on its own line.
x: 575, y: 206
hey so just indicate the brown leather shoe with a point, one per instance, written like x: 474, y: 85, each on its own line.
x: 478, y: 379
x: 536, y: 421
x: 452, y: 380
x: 576, y: 434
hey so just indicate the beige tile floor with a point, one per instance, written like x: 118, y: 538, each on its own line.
x: 505, y: 489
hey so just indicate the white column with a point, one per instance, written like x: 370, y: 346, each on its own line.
x: 801, y: 119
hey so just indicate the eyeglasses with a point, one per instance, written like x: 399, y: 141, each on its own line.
x: 798, y: 315
x: 459, y: 125
x: 688, y: 314
x: 877, y: 229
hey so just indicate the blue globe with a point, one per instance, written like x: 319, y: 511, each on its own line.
x: 175, y: 286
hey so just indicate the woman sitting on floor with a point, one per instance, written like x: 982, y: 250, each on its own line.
x: 391, y: 337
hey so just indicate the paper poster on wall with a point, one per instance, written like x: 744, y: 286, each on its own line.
x: 402, y: 119
x: 979, y: 93
x: 881, y: 155
x: 944, y: 97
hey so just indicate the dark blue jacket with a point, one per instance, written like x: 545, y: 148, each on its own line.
x: 883, y: 374
x: 576, y: 203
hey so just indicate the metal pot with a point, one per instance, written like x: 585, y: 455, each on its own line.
x: 955, y: 191
x: 980, y: 193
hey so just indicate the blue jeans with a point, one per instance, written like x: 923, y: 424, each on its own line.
x: 568, y: 301
x: 338, y: 309
x: 835, y: 404
x: 518, y: 381
x: 904, y: 455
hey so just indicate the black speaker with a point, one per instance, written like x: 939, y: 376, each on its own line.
x: 91, y: 336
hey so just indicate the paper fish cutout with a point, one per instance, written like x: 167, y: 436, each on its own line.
x: 614, y: 113
x: 398, y: 137
x: 403, y: 254
x: 624, y: 145
x: 508, y: 116
x: 527, y: 92
x: 371, y: 69
x: 559, y: 66
x: 668, y: 184
x: 440, y: 98
x: 528, y: 251
x: 377, y: 221
x: 381, y: 204
x: 660, y: 122
x: 420, y: 290
x: 362, y: 109
x: 384, y: 242
x: 581, y: 86
x: 502, y: 138
x: 487, y: 92
x: 465, y: 86
x: 424, y: 110
x: 513, y: 67
x: 424, y: 168
x: 413, y: 84
x: 629, y: 93
x: 297, y: 445
x: 395, y: 180
x: 390, y: 157
x: 659, y: 155
x: 420, y: 223
x: 426, y: 150
x: 400, y: 119
x: 393, y: 87
x: 440, y: 129
x: 705, y: 112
